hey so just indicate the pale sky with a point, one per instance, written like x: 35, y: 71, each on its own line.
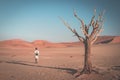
x: 39, y: 19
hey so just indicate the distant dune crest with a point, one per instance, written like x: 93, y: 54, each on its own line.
x: 47, y: 44
x: 108, y: 39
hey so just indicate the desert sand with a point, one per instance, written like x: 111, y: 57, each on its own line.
x: 17, y: 63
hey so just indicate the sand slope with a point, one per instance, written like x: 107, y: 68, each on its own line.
x: 46, y: 44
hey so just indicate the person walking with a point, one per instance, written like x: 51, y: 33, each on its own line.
x: 36, y: 53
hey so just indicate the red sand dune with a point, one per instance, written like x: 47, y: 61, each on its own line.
x: 104, y: 39
x: 108, y: 39
x: 15, y: 43
x: 43, y: 43
x: 40, y: 43
x: 116, y: 40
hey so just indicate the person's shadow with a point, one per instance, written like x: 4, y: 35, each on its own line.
x: 26, y: 63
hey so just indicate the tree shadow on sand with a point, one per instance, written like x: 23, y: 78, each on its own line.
x: 101, y: 74
x: 25, y: 63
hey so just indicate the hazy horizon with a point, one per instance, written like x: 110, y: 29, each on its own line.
x: 39, y: 19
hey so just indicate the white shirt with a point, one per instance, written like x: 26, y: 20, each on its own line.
x: 36, y: 52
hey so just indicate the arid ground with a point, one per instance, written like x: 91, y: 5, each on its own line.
x: 17, y: 63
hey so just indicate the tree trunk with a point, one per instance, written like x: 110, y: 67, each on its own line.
x: 87, y: 69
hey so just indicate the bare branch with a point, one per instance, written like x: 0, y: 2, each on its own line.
x: 95, y: 29
x: 85, y: 31
x: 94, y: 40
x: 94, y: 11
x: 101, y: 18
x: 92, y: 20
x: 98, y: 25
x: 84, y: 27
x: 67, y: 25
x: 79, y: 37
x: 82, y: 22
x: 73, y: 30
x: 96, y: 36
x: 101, y: 15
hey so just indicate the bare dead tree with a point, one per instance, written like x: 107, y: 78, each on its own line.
x: 96, y: 24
